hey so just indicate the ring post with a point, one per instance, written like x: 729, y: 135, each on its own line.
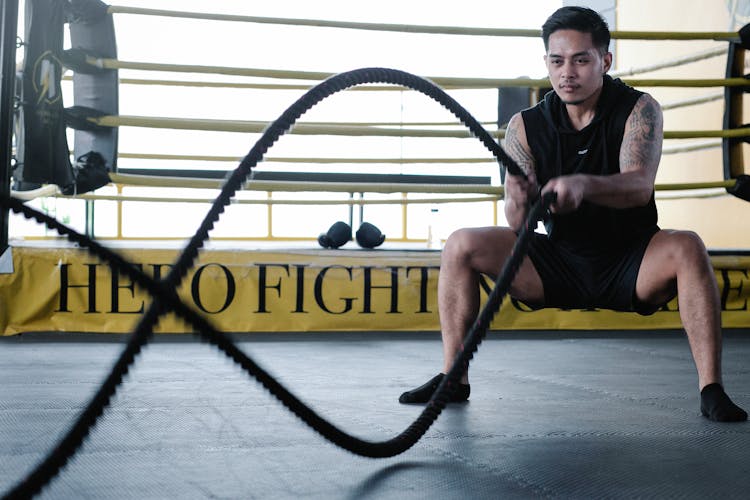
x: 9, y: 15
x: 733, y: 104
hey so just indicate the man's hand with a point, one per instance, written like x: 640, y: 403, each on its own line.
x: 569, y: 189
x: 521, y: 192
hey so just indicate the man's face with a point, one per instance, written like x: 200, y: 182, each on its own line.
x: 576, y: 68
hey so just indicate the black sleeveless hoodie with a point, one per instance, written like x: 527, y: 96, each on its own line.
x: 559, y: 149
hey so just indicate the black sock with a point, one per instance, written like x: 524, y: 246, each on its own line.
x: 716, y: 405
x: 423, y: 393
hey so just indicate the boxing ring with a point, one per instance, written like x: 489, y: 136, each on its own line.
x: 469, y: 455
x: 265, y: 281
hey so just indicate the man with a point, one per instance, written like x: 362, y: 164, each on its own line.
x: 596, y: 143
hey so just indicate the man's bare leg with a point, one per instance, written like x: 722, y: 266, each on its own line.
x: 679, y: 259
x: 467, y: 254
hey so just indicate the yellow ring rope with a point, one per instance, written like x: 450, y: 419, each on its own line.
x: 369, y: 161
x: 661, y: 195
x: 698, y: 146
x: 686, y: 186
x: 443, y: 81
x: 410, y: 201
x: 337, y: 187
x: 241, y: 85
x: 281, y: 159
x: 680, y: 61
x: 692, y: 101
x: 333, y: 129
x: 516, y: 82
x: 258, y: 127
x: 693, y: 134
x: 369, y: 187
x: 406, y: 28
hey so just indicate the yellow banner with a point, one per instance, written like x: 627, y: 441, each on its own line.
x: 66, y: 289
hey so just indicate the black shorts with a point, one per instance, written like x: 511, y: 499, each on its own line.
x: 603, y: 280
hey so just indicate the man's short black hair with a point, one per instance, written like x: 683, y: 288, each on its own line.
x: 580, y: 19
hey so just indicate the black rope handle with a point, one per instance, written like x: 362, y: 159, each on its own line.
x: 165, y: 299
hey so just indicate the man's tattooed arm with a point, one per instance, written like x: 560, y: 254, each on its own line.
x: 518, y: 191
x: 642, y: 140
x: 517, y: 150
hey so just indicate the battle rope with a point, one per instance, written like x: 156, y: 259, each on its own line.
x: 166, y: 299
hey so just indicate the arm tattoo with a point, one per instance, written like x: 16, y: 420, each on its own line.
x: 641, y: 143
x: 516, y: 150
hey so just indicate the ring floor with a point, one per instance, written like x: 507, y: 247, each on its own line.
x: 551, y: 415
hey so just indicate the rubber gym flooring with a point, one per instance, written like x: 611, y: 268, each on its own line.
x: 551, y: 415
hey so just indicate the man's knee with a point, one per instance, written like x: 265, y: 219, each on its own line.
x: 478, y: 242
x: 670, y: 254
x: 457, y: 244
x: 688, y: 248
x: 481, y: 250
